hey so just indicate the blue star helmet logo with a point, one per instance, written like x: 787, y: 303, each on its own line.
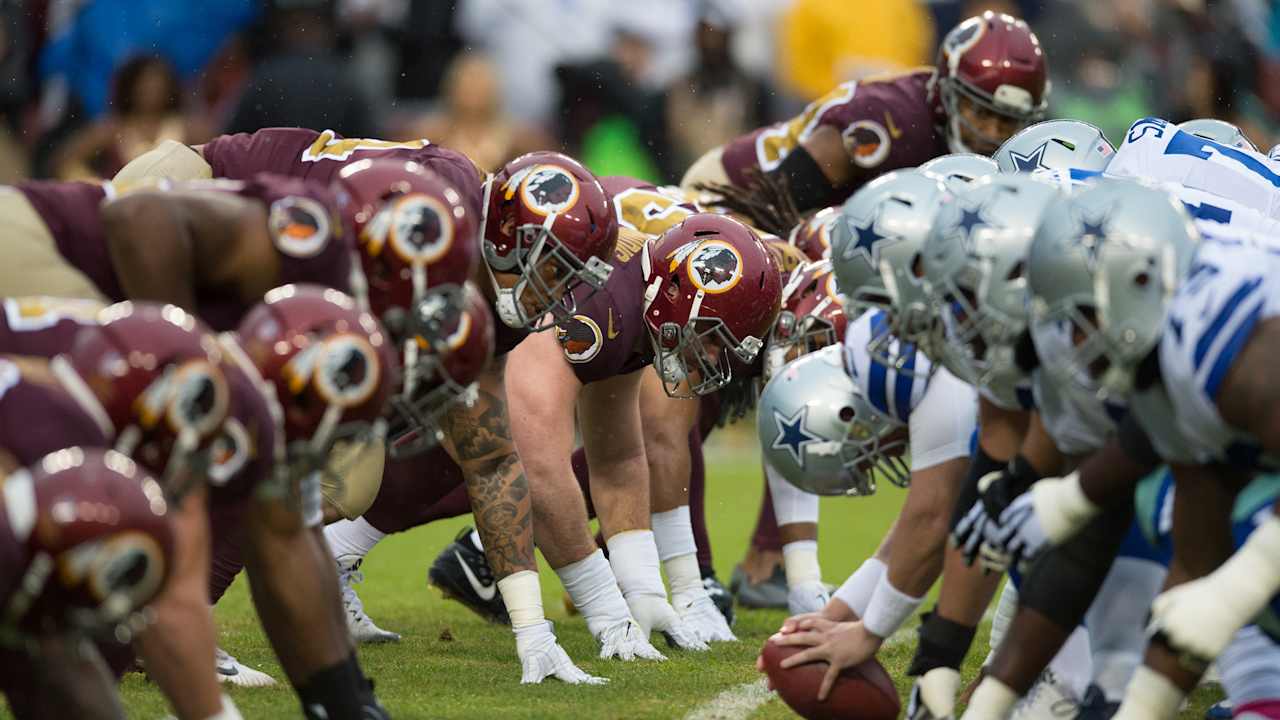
x: 971, y: 220
x: 867, y: 242
x: 792, y: 435
x: 1092, y: 234
x: 1030, y: 162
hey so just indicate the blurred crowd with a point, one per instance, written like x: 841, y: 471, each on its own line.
x: 639, y: 87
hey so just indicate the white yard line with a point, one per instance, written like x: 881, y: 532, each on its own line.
x: 740, y: 701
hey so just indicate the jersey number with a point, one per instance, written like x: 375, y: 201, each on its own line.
x: 650, y: 211
x: 1184, y: 143
x: 328, y: 146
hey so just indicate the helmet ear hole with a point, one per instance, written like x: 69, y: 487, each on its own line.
x: 1142, y: 279
x: 1016, y: 271
x: 846, y: 414
x: 917, y: 265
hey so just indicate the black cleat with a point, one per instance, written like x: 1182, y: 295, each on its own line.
x: 719, y: 595
x: 462, y: 573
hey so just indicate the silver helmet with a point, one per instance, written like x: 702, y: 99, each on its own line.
x: 1055, y: 144
x: 975, y: 265
x: 875, y: 252
x: 959, y: 169
x: 1102, y: 269
x: 1219, y: 131
x: 819, y: 432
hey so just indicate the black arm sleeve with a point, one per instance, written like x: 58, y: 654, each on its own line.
x: 810, y: 189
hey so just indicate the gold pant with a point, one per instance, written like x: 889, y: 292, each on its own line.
x: 171, y: 160
x: 355, y: 474
x: 706, y: 169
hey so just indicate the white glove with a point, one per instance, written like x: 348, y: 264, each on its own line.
x: 700, y: 613
x: 807, y: 597
x: 654, y: 613
x: 627, y: 641
x: 933, y: 696
x: 1048, y: 514
x: 542, y: 657
x: 1200, y: 617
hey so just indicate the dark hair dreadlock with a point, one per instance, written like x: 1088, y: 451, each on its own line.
x: 765, y: 200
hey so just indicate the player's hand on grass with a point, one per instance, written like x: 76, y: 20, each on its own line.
x: 842, y: 645
x: 1197, y: 619
x: 542, y: 657
x: 700, y: 613
x: 627, y: 641
x: 657, y: 615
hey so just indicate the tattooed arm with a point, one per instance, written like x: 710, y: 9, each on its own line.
x: 479, y: 440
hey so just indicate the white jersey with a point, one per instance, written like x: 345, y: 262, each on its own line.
x: 1230, y: 287
x: 1077, y: 424
x: 939, y: 410
x: 1156, y: 149
x: 1211, y: 210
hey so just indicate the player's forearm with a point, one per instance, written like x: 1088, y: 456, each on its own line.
x: 925, y: 520
x: 503, y: 512
x: 151, y: 249
x: 178, y: 648
x: 295, y: 591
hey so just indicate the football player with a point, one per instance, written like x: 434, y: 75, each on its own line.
x: 990, y: 80
x: 67, y: 574
x: 881, y: 230
x: 1113, y: 224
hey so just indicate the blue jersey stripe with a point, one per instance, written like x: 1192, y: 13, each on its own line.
x: 1228, y: 353
x: 902, y: 383
x: 1224, y: 315
x: 876, y: 387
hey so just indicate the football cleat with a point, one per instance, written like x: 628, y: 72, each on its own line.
x: 360, y: 625
x: 771, y: 593
x: 1221, y: 711
x: 462, y: 573
x: 1095, y: 705
x: 1049, y: 698
x: 719, y: 594
x: 233, y: 671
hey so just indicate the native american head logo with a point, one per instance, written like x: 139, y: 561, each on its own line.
x: 420, y: 229
x: 549, y: 189
x: 299, y: 226
x: 580, y: 337
x: 715, y: 266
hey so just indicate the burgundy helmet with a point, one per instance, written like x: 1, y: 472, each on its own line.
x: 712, y: 291
x: 813, y: 236
x: 330, y: 365
x: 811, y: 318
x: 549, y: 221
x: 156, y: 371
x: 96, y: 538
x: 414, y: 232
x: 443, y: 377
x: 995, y: 62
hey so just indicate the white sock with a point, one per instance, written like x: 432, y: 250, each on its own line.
x: 594, y: 591
x: 352, y: 537
x: 800, y: 558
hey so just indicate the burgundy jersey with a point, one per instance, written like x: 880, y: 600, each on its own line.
x: 303, y: 221
x: 70, y: 212
x: 318, y: 156
x: 38, y: 416
x: 887, y: 124
x: 607, y: 335
x: 43, y: 326
x: 646, y: 208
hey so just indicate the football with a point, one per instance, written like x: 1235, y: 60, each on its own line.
x: 863, y: 692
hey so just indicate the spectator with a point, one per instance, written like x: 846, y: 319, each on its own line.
x: 145, y: 109
x: 718, y: 100
x: 472, y: 120
x: 826, y: 42
x: 302, y: 81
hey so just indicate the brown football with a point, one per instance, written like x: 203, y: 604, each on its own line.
x: 862, y: 692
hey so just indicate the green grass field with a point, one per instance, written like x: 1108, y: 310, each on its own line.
x: 453, y: 665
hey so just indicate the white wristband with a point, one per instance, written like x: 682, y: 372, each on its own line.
x: 634, y: 559
x: 857, y: 590
x: 522, y: 595
x: 800, y: 558
x: 889, y: 608
x: 1251, y: 577
x: 673, y: 533
x: 683, y: 574
x: 1062, y: 506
